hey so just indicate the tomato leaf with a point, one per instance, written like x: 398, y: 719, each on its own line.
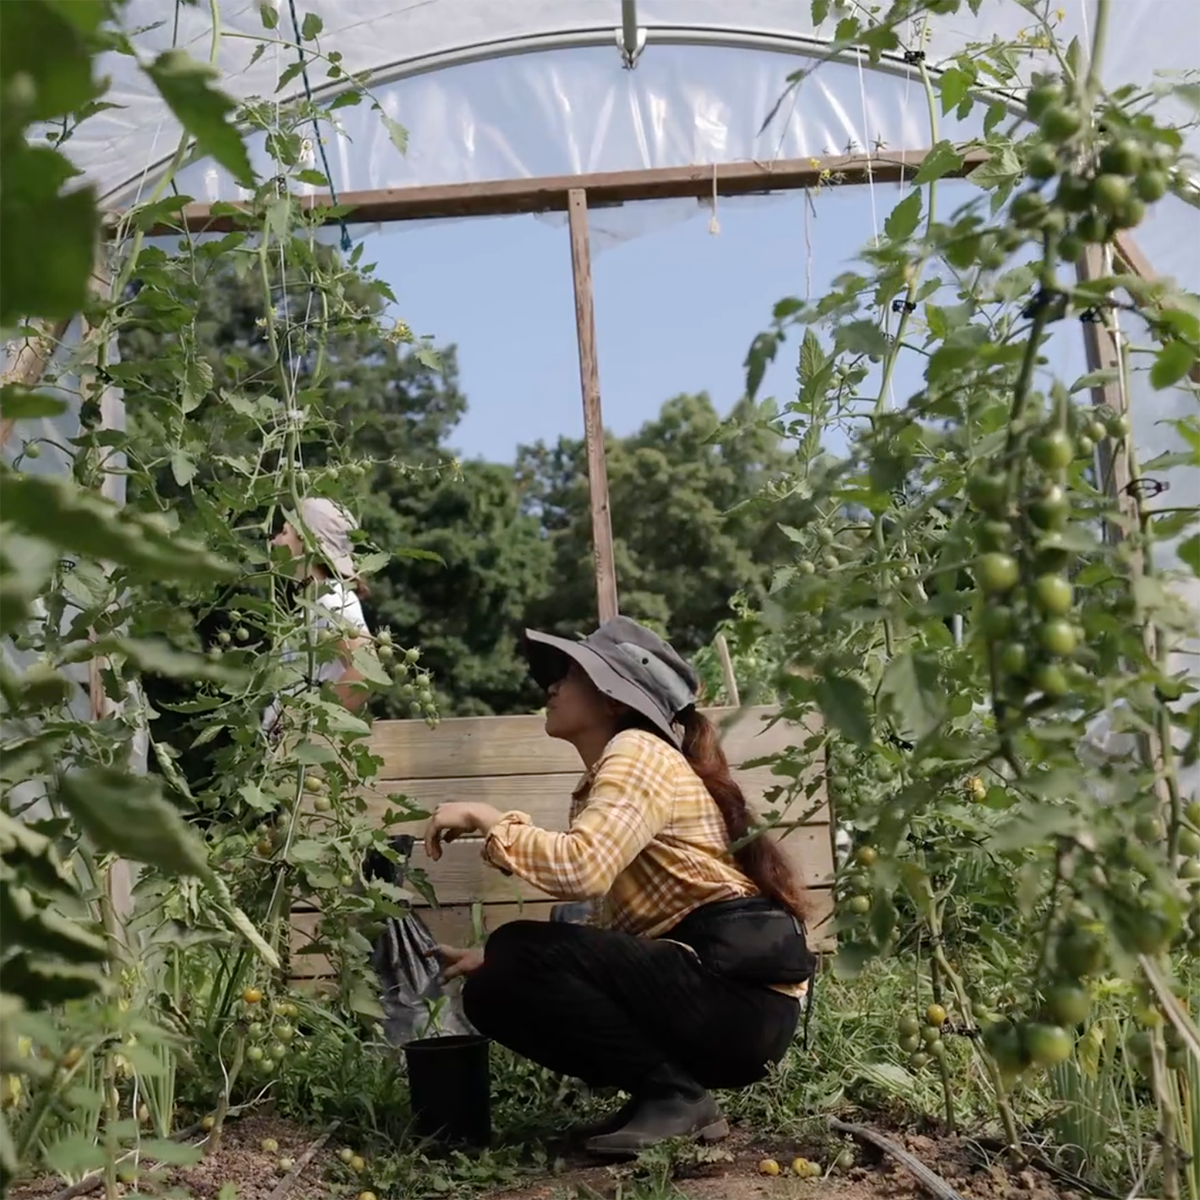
x: 127, y: 815
x: 1172, y: 363
x: 940, y: 161
x: 913, y: 685
x: 1189, y: 553
x: 187, y: 87
x: 902, y: 222
x: 844, y: 702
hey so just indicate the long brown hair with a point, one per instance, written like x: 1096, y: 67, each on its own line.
x: 760, y: 858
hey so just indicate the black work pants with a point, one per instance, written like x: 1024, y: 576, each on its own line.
x: 617, y: 1011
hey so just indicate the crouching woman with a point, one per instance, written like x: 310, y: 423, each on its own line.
x: 690, y: 979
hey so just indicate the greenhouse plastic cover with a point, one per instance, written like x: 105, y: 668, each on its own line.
x: 490, y: 90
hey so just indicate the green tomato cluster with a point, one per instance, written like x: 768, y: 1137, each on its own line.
x: 854, y: 887
x: 1029, y: 618
x: 270, y: 1041
x: 1094, y: 201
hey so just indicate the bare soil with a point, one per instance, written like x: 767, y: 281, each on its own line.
x: 738, y: 1177
x: 731, y: 1172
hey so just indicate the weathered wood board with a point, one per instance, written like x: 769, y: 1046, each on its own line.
x: 509, y: 762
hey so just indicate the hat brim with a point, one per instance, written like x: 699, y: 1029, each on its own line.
x: 550, y: 656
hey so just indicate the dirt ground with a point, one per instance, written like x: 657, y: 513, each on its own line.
x: 738, y: 1177
x: 731, y: 1173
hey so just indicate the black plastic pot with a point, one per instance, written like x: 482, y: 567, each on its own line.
x: 450, y: 1086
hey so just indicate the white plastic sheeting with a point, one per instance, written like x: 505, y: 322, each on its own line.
x: 490, y: 90
x: 577, y: 115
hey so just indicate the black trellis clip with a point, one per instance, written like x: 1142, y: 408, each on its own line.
x: 912, y: 57
x: 903, y: 306
x: 1091, y: 316
x: 1145, y: 488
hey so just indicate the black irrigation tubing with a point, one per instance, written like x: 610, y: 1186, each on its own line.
x: 1060, y: 1173
x: 933, y: 1183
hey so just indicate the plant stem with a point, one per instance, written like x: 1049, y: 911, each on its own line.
x: 916, y: 269
x: 235, y: 1069
x: 1099, y: 35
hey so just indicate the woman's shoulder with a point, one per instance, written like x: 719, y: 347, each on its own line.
x: 342, y: 602
x: 645, y: 747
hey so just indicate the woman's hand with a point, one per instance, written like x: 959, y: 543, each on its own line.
x: 453, y: 820
x: 456, y: 962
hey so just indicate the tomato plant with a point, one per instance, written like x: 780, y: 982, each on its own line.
x: 1000, y: 603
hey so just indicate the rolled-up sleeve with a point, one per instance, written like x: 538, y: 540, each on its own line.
x: 629, y: 803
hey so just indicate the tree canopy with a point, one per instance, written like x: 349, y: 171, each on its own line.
x: 482, y: 549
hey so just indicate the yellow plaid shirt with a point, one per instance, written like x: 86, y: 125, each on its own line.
x: 646, y: 840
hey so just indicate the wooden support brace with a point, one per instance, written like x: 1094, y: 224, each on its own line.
x: 1117, y: 469
x: 27, y: 362
x: 593, y: 422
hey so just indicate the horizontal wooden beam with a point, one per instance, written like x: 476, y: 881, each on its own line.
x: 505, y: 197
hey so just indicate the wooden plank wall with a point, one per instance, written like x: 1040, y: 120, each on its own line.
x: 509, y: 762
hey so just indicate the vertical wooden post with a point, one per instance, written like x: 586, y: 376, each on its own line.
x: 593, y: 424
x: 1100, y: 346
x: 1116, y: 467
x: 731, y: 687
x: 25, y: 365
x: 118, y: 880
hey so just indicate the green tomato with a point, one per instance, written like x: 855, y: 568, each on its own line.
x: 1060, y: 123
x: 908, y: 1025
x: 831, y: 562
x: 995, y: 535
x: 1052, y: 450
x: 1014, y: 658
x: 1053, y: 594
x: 1042, y: 163
x: 1189, y: 842
x: 1151, y: 185
x: 988, y: 492
x: 1074, y: 194
x: 859, y: 905
x: 1043, y: 97
x: 997, y: 572
x: 1093, y: 228
x: 1028, y: 210
x: 910, y: 1043
x: 1047, y: 1045
x: 1110, y: 193
x: 1150, y: 828
x: 1051, y: 681
x: 1122, y: 157
x: 1131, y: 214
x: 996, y: 620
x: 1068, y: 1004
x: 1050, y: 509
x: 1051, y: 553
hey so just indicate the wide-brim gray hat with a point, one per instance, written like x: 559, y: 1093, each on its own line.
x: 331, y: 527
x: 628, y: 663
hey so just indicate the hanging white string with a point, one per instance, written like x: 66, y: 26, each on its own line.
x: 868, y: 146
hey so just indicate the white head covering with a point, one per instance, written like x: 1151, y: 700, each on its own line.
x: 331, y: 526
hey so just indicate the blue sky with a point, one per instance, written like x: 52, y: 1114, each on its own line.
x: 676, y: 309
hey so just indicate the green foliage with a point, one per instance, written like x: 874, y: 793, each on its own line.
x: 969, y: 603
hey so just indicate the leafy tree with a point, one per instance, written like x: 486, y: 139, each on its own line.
x: 691, y: 527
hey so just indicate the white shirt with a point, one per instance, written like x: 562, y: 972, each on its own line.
x: 346, y: 616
